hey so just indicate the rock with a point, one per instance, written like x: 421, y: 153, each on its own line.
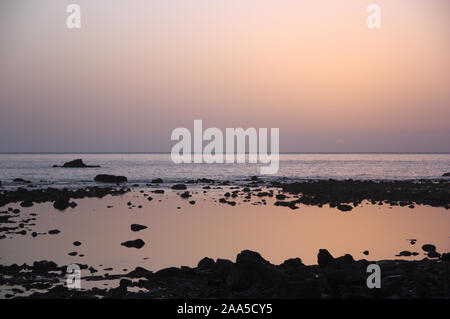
x: 185, y: 195
x: 78, y: 163
x: 253, y: 270
x: 104, y: 178
x: 206, y: 263
x: 192, y: 202
x: 73, y: 253
x: 139, y: 272
x: 137, y: 227
x: 404, y: 253
x: 344, y: 208
x: 366, y: 252
x: 26, y: 203
x: 433, y: 254
x: 44, y: 266
x: 137, y: 243
x: 54, y: 232
x: 157, y: 181
x: 77, y: 243
x: 324, y: 258
x: 346, y: 259
x: 61, y: 203
x: 445, y: 257
x: 21, y: 181
x: 428, y: 247
x: 179, y: 186
x: 446, y: 174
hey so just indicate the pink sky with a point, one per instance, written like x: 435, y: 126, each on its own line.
x: 138, y: 69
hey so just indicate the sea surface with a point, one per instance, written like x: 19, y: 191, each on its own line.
x: 140, y: 168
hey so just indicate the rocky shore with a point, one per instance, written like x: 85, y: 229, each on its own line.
x: 250, y: 276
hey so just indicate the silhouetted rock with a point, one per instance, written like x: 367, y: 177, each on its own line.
x: 77, y: 243
x: 179, y: 186
x: 137, y: 243
x: 446, y: 174
x: 206, y: 263
x: 344, y: 207
x: 26, y: 203
x: 77, y: 163
x: 324, y: 258
x: 21, y: 181
x: 428, y: 247
x: 61, y: 203
x: 137, y: 227
x: 54, y: 232
x: 157, y: 181
x: 104, y: 178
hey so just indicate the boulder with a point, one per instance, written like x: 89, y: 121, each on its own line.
x: 446, y: 174
x: 428, y: 247
x: 157, y: 181
x: 61, y: 203
x: 324, y: 258
x: 104, y: 178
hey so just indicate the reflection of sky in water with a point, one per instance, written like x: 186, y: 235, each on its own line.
x: 183, y: 236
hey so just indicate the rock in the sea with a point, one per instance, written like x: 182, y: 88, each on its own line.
x: 137, y: 227
x: 137, y: 243
x: 324, y: 258
x: 61, y: 203
x: 21, y: 180
x: 157, y: 181
x: 252, y: 270
x: 179, y: 186
x: 446, y: 174
x: 77, y: 243
x: 54, y: 232
x: 344, y: 208
x: 77, y: 163
x: 104, y: 178
x: 428, y: 247
x: 404, y: 253
x: 26, y: 203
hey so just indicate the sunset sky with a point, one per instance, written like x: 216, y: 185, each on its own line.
x: 138, y: 69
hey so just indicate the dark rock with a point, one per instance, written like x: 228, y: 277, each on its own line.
x: 61, y: 203
x: 344, y: 208
x: 137, y: 243
x: 77, y: 163
x: 21, y: 181
x: 251, y: 269
x: 73, y: 253
x: 139, y: 272
x: 433, y: 254
x: 324, y: 258
x: 185, y: 195
x: 404, y: 253
x: 192, y: 202
x: 54, y: 232
x: 206, y: 263
x: 446, y: 174
x: 137, y: 227
x: 26, y: 203
x: 179, y: 186
x: 104, y: 178
x: 366, y: 252
x: 428, y: 247
x: 77, y: 243
x: 157, y: 181
x: 44, y: 266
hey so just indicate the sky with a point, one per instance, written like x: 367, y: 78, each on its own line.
x: 136, y: 70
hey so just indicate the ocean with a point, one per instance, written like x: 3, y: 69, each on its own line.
x: 141, y: 168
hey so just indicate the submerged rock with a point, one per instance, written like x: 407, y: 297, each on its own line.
x: 105, y: 178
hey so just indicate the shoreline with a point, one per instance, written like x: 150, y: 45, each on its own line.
x: 249, y: 276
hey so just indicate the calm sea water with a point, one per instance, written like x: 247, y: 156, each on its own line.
x: 140, y: 168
